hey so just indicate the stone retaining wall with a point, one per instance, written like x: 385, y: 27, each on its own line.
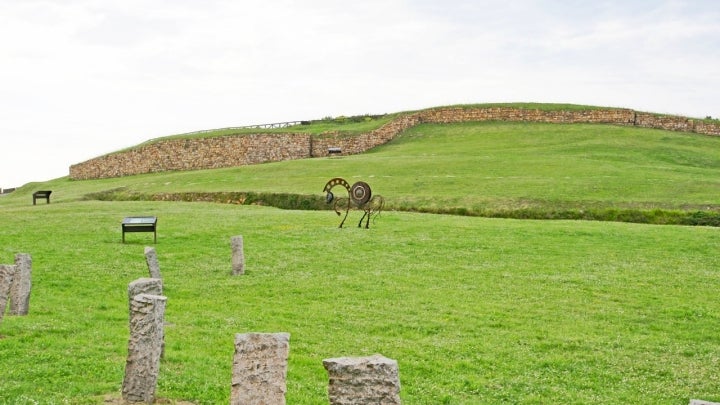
x: 195, y: 153
x: 607, y: 116
x: 363, y: 142
x: 671, y: 123
x: 239, y: 150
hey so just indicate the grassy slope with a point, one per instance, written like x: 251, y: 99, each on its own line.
x: 475, y: 310
x: 563, y: 163
x: 489, y: 169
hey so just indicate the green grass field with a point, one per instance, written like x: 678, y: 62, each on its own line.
x: 475, y: 310
x: 515, y: 170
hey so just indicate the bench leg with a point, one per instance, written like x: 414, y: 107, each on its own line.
x: 47, y: 200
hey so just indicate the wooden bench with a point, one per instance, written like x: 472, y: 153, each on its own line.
x: 42, y: 194
x: 334, y: 151
x: 139, y: 224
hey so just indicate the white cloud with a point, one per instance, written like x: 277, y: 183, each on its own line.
x: 86, y: 77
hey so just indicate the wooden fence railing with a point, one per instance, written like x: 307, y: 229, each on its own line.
x: 256, y: 126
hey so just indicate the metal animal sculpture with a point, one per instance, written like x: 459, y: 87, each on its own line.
x: 359, y: 195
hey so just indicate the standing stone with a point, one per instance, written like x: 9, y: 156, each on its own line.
x: 363, y: 380
x: 151, y: 286
x: 20, y: 290
x: 147, y: 314
x: 7, y: 273
x: 238, y: 255
x: 152, y: 262
x: 260, y: 368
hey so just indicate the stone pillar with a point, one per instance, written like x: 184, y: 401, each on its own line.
x: 260, y: 368
x: 151, y: 286
x: 142, y: 368
x: 20, y: 290
x: 363, y: 380
x: 238, y: 255
x: 152, y: 262
x: 7, y: 273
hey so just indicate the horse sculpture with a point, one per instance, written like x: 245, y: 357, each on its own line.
x: 359, y: 195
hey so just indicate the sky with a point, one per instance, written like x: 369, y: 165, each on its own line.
x: 82, y: 78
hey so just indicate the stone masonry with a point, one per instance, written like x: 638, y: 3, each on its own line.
x: 239, y: 150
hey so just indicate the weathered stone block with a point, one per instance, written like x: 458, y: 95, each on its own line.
x: 238, y: 255
x: 7, y: 273
x: 363, y: 380
x: 260, y: 368
x: 152, y: 262
x: 21, y: 285
x: 152, y: 286
x: 142, y: 368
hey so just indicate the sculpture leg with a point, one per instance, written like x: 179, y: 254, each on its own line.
x: 345, y: 217
x: 361, y: 219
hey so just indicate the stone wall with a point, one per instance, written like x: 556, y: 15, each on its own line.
x: 674, y: 123
x: 671, y: 123
x: 363, y: 142
x: 195, y: 153
x: 607, y: 116
x: 239, y: 150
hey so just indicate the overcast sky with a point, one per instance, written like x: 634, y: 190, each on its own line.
x: 81, y: 78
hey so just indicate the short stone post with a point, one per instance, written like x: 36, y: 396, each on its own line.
x: 363, y: 380
x: 151, y: 286
x: 142, y: 368
x: 260, y: 368
x: 7, y: 273
x: 152, y: 262
x: 238, y: 255
x: 20, y: 290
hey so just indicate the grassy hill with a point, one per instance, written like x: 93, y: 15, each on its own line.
x: 492, y: 169
x: 475, y: 310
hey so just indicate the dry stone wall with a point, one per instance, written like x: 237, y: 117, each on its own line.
x: 363, y: 142
x: 671, y: 123
x: 194, y: 154
x: 450, y: 115
x: 239, y: 150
